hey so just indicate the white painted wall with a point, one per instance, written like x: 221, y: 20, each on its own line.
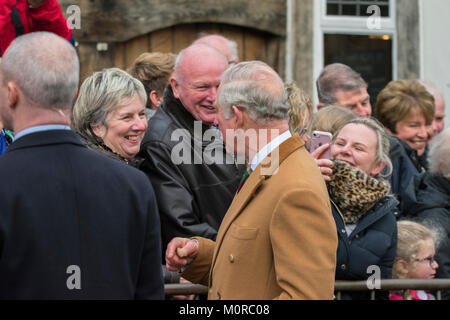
x: 435, y: 47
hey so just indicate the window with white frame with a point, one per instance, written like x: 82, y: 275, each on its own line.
x: 358, y: 8
x: 363, y: 38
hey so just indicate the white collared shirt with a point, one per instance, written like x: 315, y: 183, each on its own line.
x: 268, y: 148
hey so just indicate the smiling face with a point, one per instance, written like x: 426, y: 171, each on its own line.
x: 196, y: 81
x: 125, y: 128
x: 414, y: 130
x: 356, y: 144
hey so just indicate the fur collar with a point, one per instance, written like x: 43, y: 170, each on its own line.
x: 355, y: 192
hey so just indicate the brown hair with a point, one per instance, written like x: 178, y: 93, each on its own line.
x: 399, y: 99
x: 336, y: 77
x: 153, y: 69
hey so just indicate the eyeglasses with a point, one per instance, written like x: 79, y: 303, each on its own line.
x: 430, y: 260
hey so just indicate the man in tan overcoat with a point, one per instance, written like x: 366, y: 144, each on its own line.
x: 278, y: 239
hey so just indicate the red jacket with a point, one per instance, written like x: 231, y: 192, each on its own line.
x: 47, y: 17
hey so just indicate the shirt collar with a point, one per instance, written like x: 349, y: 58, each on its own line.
x: 268, y: 148
x: 40, y: 128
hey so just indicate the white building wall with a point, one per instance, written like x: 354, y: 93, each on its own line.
x: 435, y: 47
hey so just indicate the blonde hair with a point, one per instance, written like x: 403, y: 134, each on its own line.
x: 331, y: 119
x: 410, y: 236
x: 399, y: 99
x: 301, y: 108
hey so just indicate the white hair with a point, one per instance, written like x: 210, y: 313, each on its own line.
x: 255, y: 87
x: 439, y: 154
x: 45, y: 67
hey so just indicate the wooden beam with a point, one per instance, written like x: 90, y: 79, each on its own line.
x: 118, y: 21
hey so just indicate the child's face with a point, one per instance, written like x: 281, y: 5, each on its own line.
x: 424, y: 266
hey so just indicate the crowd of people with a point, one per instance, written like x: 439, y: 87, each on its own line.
x: 199, y: 168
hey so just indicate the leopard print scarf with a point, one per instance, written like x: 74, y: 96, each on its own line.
x: 354, y: 191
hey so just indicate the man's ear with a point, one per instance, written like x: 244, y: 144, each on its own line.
x: 155, y: 98
x: 175, y: 87
x: 13, y: 95
x: 239, y: 115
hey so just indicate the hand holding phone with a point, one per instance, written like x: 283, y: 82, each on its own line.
x: 318, y: 139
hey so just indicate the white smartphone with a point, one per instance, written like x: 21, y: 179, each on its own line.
x: 318, y: 139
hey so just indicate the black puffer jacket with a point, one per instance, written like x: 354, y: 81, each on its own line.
x: 403, y: 169
x: 373, y: 241
x: 427, y: 199
x: 193, y: 196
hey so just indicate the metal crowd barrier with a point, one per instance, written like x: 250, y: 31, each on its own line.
x: 434, y: 285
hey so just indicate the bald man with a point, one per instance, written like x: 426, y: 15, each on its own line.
x: 439, y: 115
x: 193, y: 186
x: 226, y: 46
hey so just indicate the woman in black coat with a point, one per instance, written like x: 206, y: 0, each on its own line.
x: 362, y: 207
x: 427, y: 199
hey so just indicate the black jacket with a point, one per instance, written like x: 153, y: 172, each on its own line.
x: 193, y: 191
x: 373, y: 242
x: 64, y: 207
x: 427, y: 199
x: 403, y: 170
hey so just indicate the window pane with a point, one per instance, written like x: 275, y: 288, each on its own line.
x: 332, y: 9
x: 371, y: 56
x: 356, y: 7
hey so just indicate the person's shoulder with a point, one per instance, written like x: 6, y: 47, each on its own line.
x: 160, y: 127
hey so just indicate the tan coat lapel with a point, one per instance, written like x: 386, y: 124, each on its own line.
x: 249, y: 189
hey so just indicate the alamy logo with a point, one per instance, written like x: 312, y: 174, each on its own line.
x: 374, y: 281
x: 374, y: 21
x: 73, y: 17
x: 74, y: 280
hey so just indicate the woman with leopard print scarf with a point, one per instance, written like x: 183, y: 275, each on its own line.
x: 362, y: 207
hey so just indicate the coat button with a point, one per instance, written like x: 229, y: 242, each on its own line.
x: 231, y: 258
x: 343, y: 267
x: 343, y: 230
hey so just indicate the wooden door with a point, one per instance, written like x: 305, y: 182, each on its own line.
x: 252, y: 45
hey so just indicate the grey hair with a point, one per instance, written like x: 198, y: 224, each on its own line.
x: 45, y: 67
x: 100, y: 94
x: 335, y: 77
x: 255, y: 87
x: 439, y: 154
x: 383, y: 144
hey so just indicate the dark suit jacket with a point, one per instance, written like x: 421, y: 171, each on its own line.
x: 75, y: 224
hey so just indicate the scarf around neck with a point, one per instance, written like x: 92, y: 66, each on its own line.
x: 355, y: 192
